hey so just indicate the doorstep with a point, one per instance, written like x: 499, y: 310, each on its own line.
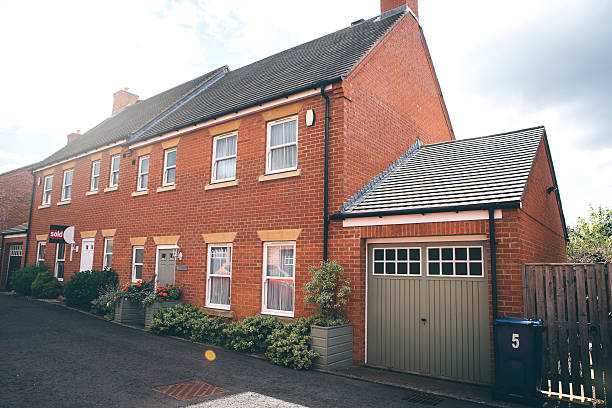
x: 444, y: 388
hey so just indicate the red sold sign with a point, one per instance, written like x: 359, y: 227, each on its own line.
x: 56, y: 234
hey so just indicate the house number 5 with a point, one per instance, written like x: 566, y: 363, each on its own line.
x: 515, y: 340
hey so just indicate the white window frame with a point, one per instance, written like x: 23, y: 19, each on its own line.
x: 112, y: 172
x: 209, y: 275
x: 94, y: 176
x: 134, y: 264
x: 140, y: 173
x: 65, y: 186
x: 166, y: 167
x: 269, y: 150
x: 408, y: 261
x: 39, y: 260
x: 454, y: 261
x: 215, y: 160
x: 57, y: 260
x: 47, y: 190
x: 106, y: 240
x: 265, y: 278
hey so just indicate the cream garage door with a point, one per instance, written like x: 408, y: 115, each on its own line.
x: 428, y: 310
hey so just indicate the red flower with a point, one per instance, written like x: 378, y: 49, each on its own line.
x: 165, y: 294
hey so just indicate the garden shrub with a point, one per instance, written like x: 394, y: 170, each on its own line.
x: 104, y: 304
x: 176, y: 321
x: 289, y: 346
x: 85, y: 286
x: 209, y: 330
x: 46, y: 286
x: 22, y: 279
x: 251, y: 334
x: 329, y: 290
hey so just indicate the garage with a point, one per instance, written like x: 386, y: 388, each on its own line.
x: 428, y: 309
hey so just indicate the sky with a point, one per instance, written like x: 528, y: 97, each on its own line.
x: 503, y: 65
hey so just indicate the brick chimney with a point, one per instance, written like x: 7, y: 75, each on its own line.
x: 123, y: 98
x: 386, y: 5
x: 73, y: 136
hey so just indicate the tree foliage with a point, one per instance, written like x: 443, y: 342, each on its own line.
x: 328, y: 289
x: 591, y: 239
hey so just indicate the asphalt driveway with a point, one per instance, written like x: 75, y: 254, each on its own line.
x: 51, y: 356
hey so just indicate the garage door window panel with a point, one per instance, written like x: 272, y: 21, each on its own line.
x: 397, y: 261
x: 455, y: 261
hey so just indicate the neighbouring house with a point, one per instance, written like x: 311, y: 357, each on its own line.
x: 234, y: 184
x: 15, y: 198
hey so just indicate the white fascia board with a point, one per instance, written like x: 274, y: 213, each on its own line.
x: 471, y: 215
x: 232, y: 116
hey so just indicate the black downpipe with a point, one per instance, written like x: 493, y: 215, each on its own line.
x: 493, y: 262
x: 326, y: 178
x: 1, y: 262
x: 27, y: 246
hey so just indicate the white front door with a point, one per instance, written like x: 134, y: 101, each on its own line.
x: 87, y: 254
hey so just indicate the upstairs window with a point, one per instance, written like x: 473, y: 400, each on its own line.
x: 47, y: 188
x: 114, y: 171
x: 224, y: 158
x: 281, y: 147
x: 169, y: 167
x: 143, y: 173
x: 95, y: 175
x: 67, y: 185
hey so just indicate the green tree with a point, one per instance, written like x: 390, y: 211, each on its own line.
x: 591, y: 239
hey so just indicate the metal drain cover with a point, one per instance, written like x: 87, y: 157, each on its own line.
x: 423, y: 398
x: 189, y: 390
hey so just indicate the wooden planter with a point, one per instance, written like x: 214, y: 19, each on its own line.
x: 129, y: 312
x: 334, y: 345
x: 155, y: 307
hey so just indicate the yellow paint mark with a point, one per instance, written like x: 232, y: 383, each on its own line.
x: 210, y: 355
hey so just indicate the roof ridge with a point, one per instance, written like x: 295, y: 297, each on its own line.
x: 485, y: 136
x: 376, y: 181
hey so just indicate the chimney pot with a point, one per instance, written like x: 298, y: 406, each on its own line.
x: 386, y: 5
x: 123, y: 98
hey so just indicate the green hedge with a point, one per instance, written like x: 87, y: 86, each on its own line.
x: 283, y: 345
x: 84, y: 287
x: 46, y: 286
x: 22, y: 279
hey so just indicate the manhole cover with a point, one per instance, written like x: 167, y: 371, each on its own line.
x: 189, y: 390
x: 423, y: 398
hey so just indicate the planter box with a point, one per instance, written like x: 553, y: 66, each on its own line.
x: 129, y: 312
x: 334, y: 345
x: 154, y: 307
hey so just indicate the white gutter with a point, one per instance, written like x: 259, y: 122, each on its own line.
x: 231, y: 116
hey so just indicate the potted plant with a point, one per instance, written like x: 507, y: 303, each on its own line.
x: 332, y: 334
x: 129, y: 308
x: 161, y: 298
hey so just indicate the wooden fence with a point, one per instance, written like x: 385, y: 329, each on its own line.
x: 575, y: 303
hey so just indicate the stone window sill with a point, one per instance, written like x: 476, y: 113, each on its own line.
x: 218, y: 312
x: 40, y: 207
x: 140, y: 193
x: 90, y: 193
x: 166, y: 188
x: 277, y: 176
x: 109, y: 189
x: 282, y: 319
x: 64, y: 202
x: 214, y: 186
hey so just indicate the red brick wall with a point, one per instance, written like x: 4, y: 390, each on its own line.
x: 15, y: 193
x: 190, y: 210
x: 391, y: 99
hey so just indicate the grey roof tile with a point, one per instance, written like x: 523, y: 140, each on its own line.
x: 299, y: 68
x: 461, y: 173
x: 21, y: 228
x: 130, y: 119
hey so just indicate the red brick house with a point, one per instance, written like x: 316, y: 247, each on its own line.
x: 15, y: 196
x: 233, y: 184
